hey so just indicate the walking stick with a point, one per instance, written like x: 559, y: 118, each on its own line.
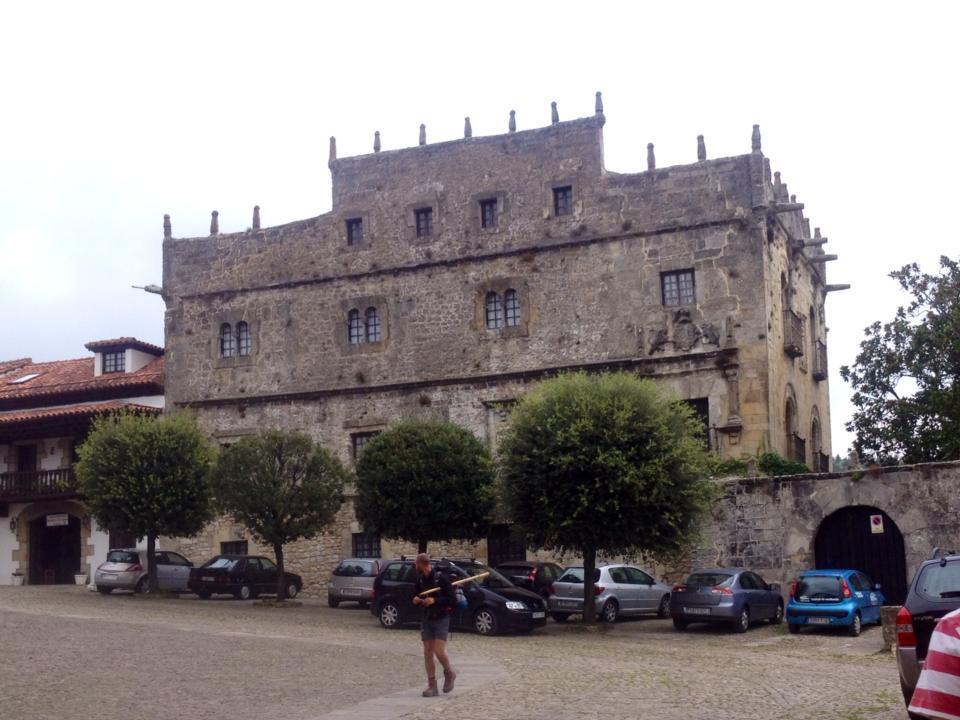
x: 458, y: 582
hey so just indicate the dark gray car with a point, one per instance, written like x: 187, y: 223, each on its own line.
x: 732, y: 596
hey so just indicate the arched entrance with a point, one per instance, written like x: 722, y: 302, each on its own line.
x: 54, y: 549
x: 853, y: 537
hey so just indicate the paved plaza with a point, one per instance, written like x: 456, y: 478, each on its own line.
x: 67, y: 652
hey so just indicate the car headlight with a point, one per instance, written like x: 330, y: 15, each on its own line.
x: 515, y: 605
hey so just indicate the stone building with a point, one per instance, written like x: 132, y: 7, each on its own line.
x: 448, y: 277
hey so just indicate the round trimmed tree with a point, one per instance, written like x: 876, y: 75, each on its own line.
x: 425, y: 481
x: 607, y: 464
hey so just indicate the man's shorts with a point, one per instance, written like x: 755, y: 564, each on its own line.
x: 437, y: 629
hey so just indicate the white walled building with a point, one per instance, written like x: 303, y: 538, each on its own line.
x: 46, y: 409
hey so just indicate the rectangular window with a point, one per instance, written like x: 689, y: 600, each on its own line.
x: 235, y: 547
x: 424, y: 218
x: 701, y: 408
x: 354, y: 231
x: 357, y: 441
x: 677, y: 288
x: 563, y: 200
x: 488, y: 213
x: 366, y: 545
x: 113, y: 362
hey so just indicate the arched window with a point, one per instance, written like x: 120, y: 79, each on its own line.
x: 243, y: 339
x: 815, y: 435
x: 372, y: 321
x: 355, y: 331
x: 228, y: 343
x: 511, y: 306
x: 494, y: 311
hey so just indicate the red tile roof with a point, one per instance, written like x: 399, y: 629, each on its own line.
x: 67, y: 377
x: 124, y: 342
x: 11, y: 365
x: 18, y: 416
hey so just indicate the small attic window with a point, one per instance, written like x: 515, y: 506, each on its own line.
x: 113, y: 362
x: 23, y: 379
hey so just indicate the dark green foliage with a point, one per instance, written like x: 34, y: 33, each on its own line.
x: 605, y: 463
x: 147, y: 476
x: 770, y: 463
x: 906, y: 378
x: 727, y: 467
x: 424, y: 481
x: 281, y: 486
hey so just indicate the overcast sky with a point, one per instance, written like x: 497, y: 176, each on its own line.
x: 116, y: 113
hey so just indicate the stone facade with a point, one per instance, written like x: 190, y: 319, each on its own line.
x: 584, y: 250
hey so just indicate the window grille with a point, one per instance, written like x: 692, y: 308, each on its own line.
x: 358, y: 441
x: 354, y: 231
x: 511, y: 304
x: 563, y: 200
x: 488, y: 213
x: 366, y: 545
x: 113, y: 362
x: 243, y: 339
x: 228, y: 343
x: 355, y: 328
x: 372, y: 321
x: 494, y: 311
x: 678, y: 288
x: 424, y: 218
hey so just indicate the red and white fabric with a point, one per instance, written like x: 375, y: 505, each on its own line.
x: 938, y: 690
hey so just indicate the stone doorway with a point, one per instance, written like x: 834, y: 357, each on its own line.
x: 54, y: 549
x: 864, y: 538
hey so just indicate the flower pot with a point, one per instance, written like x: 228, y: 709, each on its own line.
x: 16, y: 579
x: 80, y: 578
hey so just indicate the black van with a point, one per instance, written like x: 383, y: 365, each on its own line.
x: 495, y: 604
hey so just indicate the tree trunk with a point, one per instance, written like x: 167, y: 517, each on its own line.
x: 421, y: 546
x: 589, y: 604
x: 281, y: 575
x: 152, y: 580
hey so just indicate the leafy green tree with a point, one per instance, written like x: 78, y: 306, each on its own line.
x: 424, y: 481
x: 604, y: 463
x: 282, y: 487
x: 906, y: 378
x: 147, y: 476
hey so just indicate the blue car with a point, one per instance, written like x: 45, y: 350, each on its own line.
x: 833, y: 598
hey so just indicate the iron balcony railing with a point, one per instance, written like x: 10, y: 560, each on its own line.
x: 820, y: 362
x: 37, y: 484
x: 792, y: 333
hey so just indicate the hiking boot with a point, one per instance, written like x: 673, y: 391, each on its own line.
x: 448, y: 678
x: 431, y: 690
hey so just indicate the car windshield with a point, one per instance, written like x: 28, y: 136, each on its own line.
x: 575, y: 575
x: 709, y: 579
x: 940, y: 581
x: 354, y: 568
x: 221, y: 563
x: 494, y: 580
x: 122, y: 556
x: 818, y: 588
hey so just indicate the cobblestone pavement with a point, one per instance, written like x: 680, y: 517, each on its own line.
x: 66, y: 652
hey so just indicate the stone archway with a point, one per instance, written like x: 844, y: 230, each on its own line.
x: 26, y: 529
x: 865, y: 538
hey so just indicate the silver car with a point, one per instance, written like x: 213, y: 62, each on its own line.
x: 352, y: 580
x: 127, y: 570
x: 620, y: 590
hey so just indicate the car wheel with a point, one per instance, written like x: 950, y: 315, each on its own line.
x: 610, y: 611
x: 292, y: 591
x: 664, y: 610
x: 143, y: 586
x: 244, y: 593
x: 332, y: 602
x: 679, y: 624
x: 389, y: 615
x: 104, y: 590
x: 203, y: 595
x: 743, y: 624
x: 793, y: 628
x: 856, y: 626
x: 485, y: 622
x: 778, y: 617
x: 561, y: 617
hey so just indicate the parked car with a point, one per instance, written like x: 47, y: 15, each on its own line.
x: 127, y: 570
x: 732, y: 596
x: 833, y: 598
x: 532, y: 575
x: 495, y: 604
x: 352, y: 580
x: 243, y: 576
x: 618, y: 590
x: 934, y: 591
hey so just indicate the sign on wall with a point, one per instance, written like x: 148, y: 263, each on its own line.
x: 58, y: 520
x: 876, y: 524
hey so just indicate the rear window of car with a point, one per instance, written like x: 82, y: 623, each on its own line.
x: 121, y: 556
x: 575, y: 575
x: 940, y: 582
x: 708, y: 579
x: 819, y: 588
x: 221, y: 563
x: 354, y: 568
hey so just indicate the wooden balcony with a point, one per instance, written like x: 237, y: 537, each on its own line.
x: 792, y: 334
x: 820, y: 362
x: 37, y: 485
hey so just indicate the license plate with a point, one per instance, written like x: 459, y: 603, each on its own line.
x: 818, y: 621
x: 109, y: 576
x: 207, y: 579
x: 568, y: 603
x: 696, y: 611
x: 539, y: 615
x: 353, y: 592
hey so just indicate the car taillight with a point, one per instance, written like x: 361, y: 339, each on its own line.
x: 679, y: 588
x: 533, y: 575
x: 136, y: 567
x: 793, y: 589
x: 845, y: 589
x: 598, y: 589
x: 905, y: 635
x: 721, y: 591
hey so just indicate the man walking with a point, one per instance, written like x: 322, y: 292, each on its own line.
x: 435, y: 626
